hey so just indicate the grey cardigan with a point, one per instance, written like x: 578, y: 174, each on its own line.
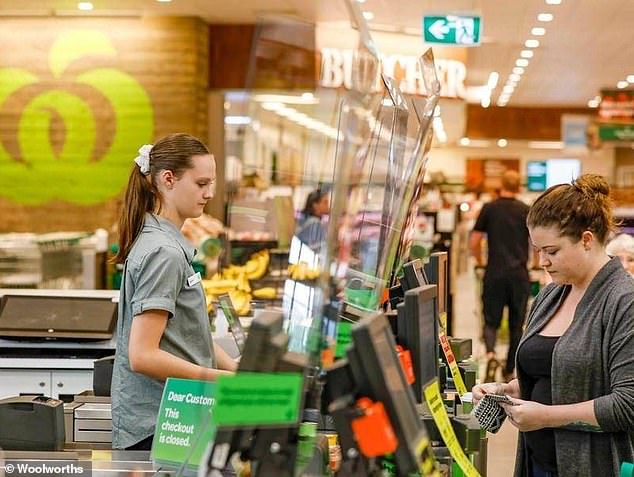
x: 594, y: 359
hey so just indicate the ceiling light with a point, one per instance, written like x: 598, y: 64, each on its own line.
x: 237, y: 120
x: 526, y: 53
x: 508, y: 88
x: 163, y: 1
x: 493, y: 80
x: 464, y: 141
x: 515, y: 77
x: 485, y: 102
x: 593, y: 103
x: 307, y: 95
x: 360, y: 1
x: 545, y: 144
x: 553, y: 2
x: 518, y: 70
x: 630, y: 78
x: 368, y: 15
x: 85, y: 6
x: 521, y: 62
x: 538, y: 31
x: 501, y: 104
x: 285, y: 98
x: 622, y: 84
x: 502, y: 142
x: 532, y: 43
x: 545, y: 17
x: 272, y: 106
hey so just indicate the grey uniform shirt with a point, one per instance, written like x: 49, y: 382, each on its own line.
x: 155, y: 278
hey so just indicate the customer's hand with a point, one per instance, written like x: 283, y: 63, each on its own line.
x: 526, y: 415
x: 479, y: 390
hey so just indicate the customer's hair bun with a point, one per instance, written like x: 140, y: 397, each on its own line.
x: 592, y: 185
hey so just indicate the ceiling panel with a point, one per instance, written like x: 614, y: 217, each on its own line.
x: 587, y: 46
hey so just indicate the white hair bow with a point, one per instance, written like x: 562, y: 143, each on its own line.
x: 143, y: 159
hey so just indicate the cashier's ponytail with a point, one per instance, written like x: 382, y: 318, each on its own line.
x: 174, y: 153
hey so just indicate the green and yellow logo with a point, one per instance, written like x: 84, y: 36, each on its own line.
x: 60, y: 151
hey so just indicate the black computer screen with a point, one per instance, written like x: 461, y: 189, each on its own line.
x: 379, y: 374
x: 418, y: 332
x: 57, y: 317
x: 436, y: 271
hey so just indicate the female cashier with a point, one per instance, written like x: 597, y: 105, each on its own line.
x: 163, y: 329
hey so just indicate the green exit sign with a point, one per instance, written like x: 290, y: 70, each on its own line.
x: 452, y: 30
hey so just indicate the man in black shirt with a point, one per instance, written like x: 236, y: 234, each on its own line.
x: 506, y: 281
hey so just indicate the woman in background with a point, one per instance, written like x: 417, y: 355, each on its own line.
x: 163, y: 329
x: 310, y: 228
x: 622, y: 246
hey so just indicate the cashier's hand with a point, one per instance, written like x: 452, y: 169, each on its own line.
x: 526, y: 415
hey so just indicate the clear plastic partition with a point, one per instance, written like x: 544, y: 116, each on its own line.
x: 363, y: 148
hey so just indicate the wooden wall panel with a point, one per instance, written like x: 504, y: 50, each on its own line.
x: 272, y: 55
x: 96, y: 89
x: 540, y: 124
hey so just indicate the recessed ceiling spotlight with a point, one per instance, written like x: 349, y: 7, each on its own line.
x: 360, y: 1
x: 465, y: 141
x: 502, y: 142
x: 553, y: 2
x: 526, y: 53
x: 85, y: 6
x: 538, y: 31
x: 508, y: 88
x: 485, y: 102
x: 622, y: 84
x: 532, y: 43
x: 523, y: 62
x: 545, y: 17
x: 515, y: 77
x: 163, y: 1
x: 518, y: 70
x: 630, y: 78
x: 593, y: 103
x: 368, y: 15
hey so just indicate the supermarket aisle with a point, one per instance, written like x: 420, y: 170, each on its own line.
x: 501, y: 455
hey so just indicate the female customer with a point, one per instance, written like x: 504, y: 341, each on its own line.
x: 573, y: 400
x: 163, y: 329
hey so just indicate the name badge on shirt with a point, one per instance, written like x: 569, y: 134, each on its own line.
x: 195, y: 278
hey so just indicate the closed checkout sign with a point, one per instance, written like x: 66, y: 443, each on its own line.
x: 184, y: 427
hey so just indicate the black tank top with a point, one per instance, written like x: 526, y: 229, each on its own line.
x: 535, y: 357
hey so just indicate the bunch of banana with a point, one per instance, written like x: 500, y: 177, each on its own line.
x: 301, y: 271
x: 241, y: 301
x: 217, y: 285
x: 266, y: 293
x: 257, y: 265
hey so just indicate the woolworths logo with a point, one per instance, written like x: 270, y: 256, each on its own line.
x: 41, y: 167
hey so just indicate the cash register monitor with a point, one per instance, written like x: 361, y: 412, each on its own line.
x: 378, y: 374
x: 57, y: 317
x: 417, y: 330
x: 233, y: 320
x: 436, y: 273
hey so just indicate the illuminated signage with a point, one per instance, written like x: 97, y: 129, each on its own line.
x: 336, y: 72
